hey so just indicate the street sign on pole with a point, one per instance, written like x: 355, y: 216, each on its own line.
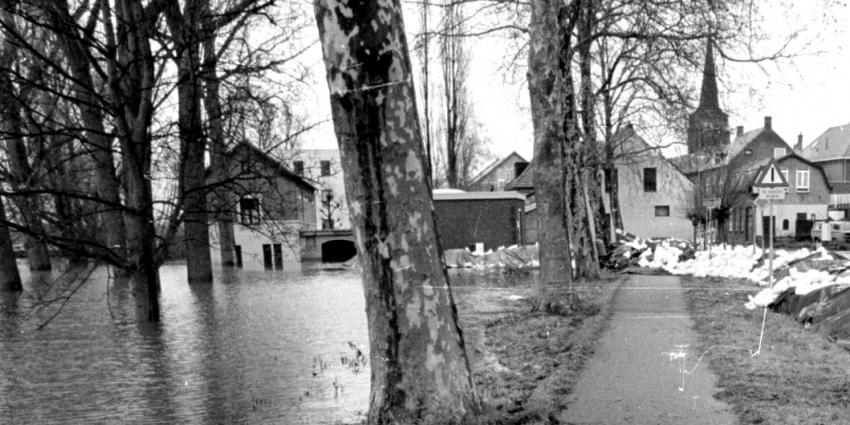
x: 772, y: 193
x: 771, y: 177
x: 712, y: 203
x: 760, y: 203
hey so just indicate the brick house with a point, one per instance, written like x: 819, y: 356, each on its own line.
x: 466, y: 218
x: 269, y: 204
x: 831, y: 150
x: 498, y: 174
x: 737, y: 219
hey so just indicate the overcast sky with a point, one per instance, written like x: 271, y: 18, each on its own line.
x: 804, y: 95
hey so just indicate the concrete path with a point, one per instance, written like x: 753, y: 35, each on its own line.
x: 636, y: 375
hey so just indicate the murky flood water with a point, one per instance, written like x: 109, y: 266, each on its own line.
x: 255, y: 347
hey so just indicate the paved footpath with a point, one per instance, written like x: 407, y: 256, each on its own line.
x: 635, y: 376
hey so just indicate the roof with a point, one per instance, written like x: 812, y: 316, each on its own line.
x: 476, y: 196
x: 495, y: 164
x: 834, y: 143
x: 525, y: 181
x: 737, y: 146
x: 275, y: 164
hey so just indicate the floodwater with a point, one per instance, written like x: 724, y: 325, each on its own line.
x: 254, y: 347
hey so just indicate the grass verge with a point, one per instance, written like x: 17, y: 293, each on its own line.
x: 527, y: 361
x: 798, y: 378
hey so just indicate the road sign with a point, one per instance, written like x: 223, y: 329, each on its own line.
x: 760, y: 202
x: 771, y: 177
x: 711, y: 202
x: 771, y: 193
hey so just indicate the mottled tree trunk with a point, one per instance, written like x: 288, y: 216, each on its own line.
x: 10, y: 278
x: 185, y: 30
x: 420, y: 370
x: 546, y: 90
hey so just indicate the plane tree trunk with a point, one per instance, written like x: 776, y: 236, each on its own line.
x: 546, y: 90
x: 420, y: 370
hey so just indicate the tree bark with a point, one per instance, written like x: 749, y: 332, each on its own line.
x: 10, y: 278
x: 546, y: 90
x: 131, y: 83
x: 11, y: 129
x: 89, y: 103
x: 185, y: 29
x: 581, y: 150
x: 420, y: 370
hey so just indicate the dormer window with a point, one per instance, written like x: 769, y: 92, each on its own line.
x: 778, y: 152
x: 249, y: 210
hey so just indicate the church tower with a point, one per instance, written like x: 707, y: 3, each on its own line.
x: 708, y: 126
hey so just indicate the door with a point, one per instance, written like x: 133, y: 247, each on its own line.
x: 267, y: 256
x: 765, y: 225
x: 278, y: 257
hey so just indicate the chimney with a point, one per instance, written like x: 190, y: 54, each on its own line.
x: 739, y: 131
x: 799, y: 146
x: 767, y: 122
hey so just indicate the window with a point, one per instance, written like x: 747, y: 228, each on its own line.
x: 785, y: 224
x: 662, y: 211
x: 326, y: 168
x: 298, y: 167
x: 249, y: 210
x: 649, y: 182
x: 748, y: 152
x: 802, y: 182
x: 327, y: 195
x: 778, y: 152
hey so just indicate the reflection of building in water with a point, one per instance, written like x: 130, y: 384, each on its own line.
x: 269, y: 205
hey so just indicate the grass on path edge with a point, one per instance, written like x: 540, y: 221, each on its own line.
x: 798, y: 378
x: 532, y: 359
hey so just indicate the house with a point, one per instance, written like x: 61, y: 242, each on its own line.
x: 268, y: 203
x: 465, y: 219
x: 831, y: 150
x: 498, y: 174
x: 655, y: 198
x: 737, y: 218
x: 724, y: 173
x: 324, y: 167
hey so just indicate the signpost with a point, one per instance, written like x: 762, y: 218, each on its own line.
x: 771, y: 186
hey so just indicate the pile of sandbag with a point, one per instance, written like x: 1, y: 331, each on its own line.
x: 634, y: 251
x: 514, y: 256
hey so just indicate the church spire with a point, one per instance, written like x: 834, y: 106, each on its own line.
x: 708, y: 96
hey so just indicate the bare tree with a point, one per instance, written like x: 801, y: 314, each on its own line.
x: 455, y: 71
x: 420, y: 370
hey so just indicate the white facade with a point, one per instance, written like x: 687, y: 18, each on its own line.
x: 332, y: 181
x: 654, y: 213
x: 786, y: 216
x: 278, y: 238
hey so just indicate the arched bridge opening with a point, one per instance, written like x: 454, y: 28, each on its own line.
x: 338, y: 251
